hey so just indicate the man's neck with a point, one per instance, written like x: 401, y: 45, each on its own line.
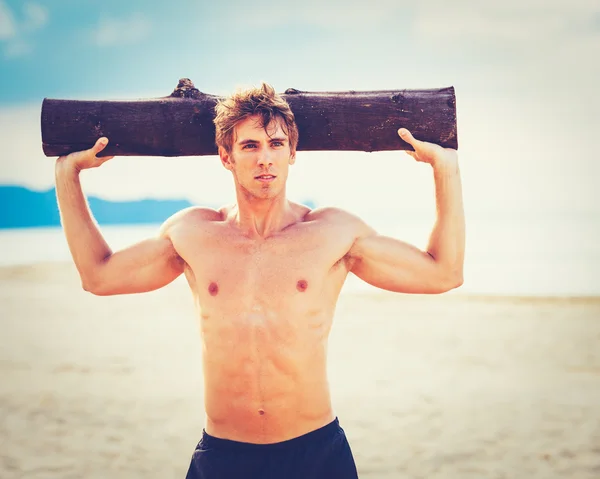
x: 260, y: 218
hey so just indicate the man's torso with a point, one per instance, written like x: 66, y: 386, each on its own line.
x: 265, y: 308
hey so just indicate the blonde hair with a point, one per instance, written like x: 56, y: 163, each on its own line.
x: 263, y: 102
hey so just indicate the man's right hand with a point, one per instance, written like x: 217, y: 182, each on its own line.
x: 82, y: 160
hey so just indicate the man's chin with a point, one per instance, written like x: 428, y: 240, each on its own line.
x: 261, y: 194
x: 267, y: 192
x: 266, y: 195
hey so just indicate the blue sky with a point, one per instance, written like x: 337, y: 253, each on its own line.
x: 69, y: 48
x: 525, y: 74
x: 73, y: 48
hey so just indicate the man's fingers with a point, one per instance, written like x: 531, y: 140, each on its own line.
x: 407, y: 137
x: 100, y: 145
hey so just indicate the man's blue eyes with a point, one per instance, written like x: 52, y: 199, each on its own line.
x: 249, y: 146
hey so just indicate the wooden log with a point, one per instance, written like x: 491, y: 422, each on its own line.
x: 182, y: 123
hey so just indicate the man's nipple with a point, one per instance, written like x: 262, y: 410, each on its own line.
x: 301, y: 285
x: 213, y: 289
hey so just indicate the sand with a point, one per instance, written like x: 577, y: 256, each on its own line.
x: 446, y: 386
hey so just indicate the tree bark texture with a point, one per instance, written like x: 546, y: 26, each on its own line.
x: 182, y: 123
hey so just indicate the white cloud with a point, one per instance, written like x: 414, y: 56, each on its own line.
x: 113, y: 31
x: 17, y: 48
x: 537, y: 48
x: 15, y: 33
x: 329, y: 14
x: 437, y: 17
x: 36, y: 16
x: 534, y: 22
x: 8, y: 28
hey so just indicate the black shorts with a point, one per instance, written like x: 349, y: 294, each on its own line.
x: 320, y: 454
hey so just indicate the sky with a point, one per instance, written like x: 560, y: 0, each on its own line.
x: 525, y: 73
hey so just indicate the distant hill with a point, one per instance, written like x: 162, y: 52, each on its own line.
x: 22, y: 208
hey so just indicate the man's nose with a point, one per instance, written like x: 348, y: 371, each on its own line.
x: 265, y: 158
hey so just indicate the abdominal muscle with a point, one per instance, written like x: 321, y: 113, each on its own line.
x: 265, y: 375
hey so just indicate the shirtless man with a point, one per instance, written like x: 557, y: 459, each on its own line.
x: 265, y: 274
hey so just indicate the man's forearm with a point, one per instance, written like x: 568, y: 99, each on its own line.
x: 87, y: 246
x: 447, y: 240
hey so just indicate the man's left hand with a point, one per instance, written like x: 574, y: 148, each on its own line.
x: 427, y: 152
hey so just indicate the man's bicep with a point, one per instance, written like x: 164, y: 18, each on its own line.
x: 386, y: 262
x: 395, y: 265
x: 144, y: 266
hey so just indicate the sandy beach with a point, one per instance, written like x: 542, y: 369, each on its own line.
x: 448, y: 386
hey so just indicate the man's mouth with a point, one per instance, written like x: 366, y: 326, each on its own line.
x: 265, y: 177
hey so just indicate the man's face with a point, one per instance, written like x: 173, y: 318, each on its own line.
x: 259, y: 159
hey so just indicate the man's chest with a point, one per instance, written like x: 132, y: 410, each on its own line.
x: 295, y: 264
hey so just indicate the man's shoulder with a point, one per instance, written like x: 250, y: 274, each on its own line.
x: 197, y: 213
x: 333, y: 214
x: 192, y: 216
x: 342, y: 222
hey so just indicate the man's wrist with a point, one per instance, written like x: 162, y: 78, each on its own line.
x: 445, y: 165
x: 66, y: 167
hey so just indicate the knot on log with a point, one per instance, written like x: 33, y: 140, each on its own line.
x: 186, y: 89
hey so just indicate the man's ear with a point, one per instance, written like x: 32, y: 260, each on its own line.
x: 226, y: 159
x: 293, y: 158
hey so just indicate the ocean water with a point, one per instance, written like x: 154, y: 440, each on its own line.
x: 526, y: 256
